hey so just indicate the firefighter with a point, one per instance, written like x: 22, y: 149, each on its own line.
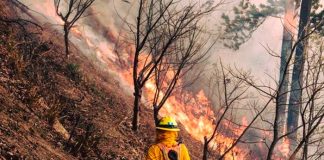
x: 167, y: 147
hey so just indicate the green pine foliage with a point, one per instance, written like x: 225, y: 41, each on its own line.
x: 317, y: 17
x: 248, y: 17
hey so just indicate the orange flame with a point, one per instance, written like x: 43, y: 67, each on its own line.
x: 196, y: 114
x: 284, y: 147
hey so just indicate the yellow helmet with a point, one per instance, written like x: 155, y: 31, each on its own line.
x: 168, y: 124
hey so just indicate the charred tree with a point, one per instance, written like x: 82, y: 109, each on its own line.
x: 248, y: 18
x: 230, y: 91
x: 167, y: 40
x: 295, y: 100
x: 71, y: 14
x: 305, y: 108
x: 286, y: 47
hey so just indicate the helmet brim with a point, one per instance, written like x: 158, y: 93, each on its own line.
x: 168, y: 129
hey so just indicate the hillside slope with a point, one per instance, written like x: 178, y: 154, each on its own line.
x: 58, y: 108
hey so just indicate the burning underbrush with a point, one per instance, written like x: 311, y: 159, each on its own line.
x: 193, y: 109
x: 54, y: 108
x: 95, y: 119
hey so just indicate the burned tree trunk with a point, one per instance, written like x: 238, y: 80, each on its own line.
x: 295, y: 100
x: 286, y: 47
x: 136, y: 107
x: 74, y: 10
x: 156, y: 114
x: 205, y: 151
x: 66, y: 40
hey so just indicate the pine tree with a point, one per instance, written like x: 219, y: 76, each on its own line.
x: 295, y: 100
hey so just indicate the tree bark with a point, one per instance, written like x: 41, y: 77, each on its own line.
x: 137, y: 99
x: 275, y: 133
x: 66, y: 40
x: 156, y: 114
x: 295, y: 100
x: 288, y: 34
x: 205, y: 151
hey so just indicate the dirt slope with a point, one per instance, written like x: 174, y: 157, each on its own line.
x: 57, y: 108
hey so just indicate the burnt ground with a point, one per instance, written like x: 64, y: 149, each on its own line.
x: 52, y: 107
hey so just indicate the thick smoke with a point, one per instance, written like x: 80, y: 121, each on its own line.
x: 105, y: 31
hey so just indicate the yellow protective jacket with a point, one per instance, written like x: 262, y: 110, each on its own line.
x: 155, y: 153
x: 168, y: 141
